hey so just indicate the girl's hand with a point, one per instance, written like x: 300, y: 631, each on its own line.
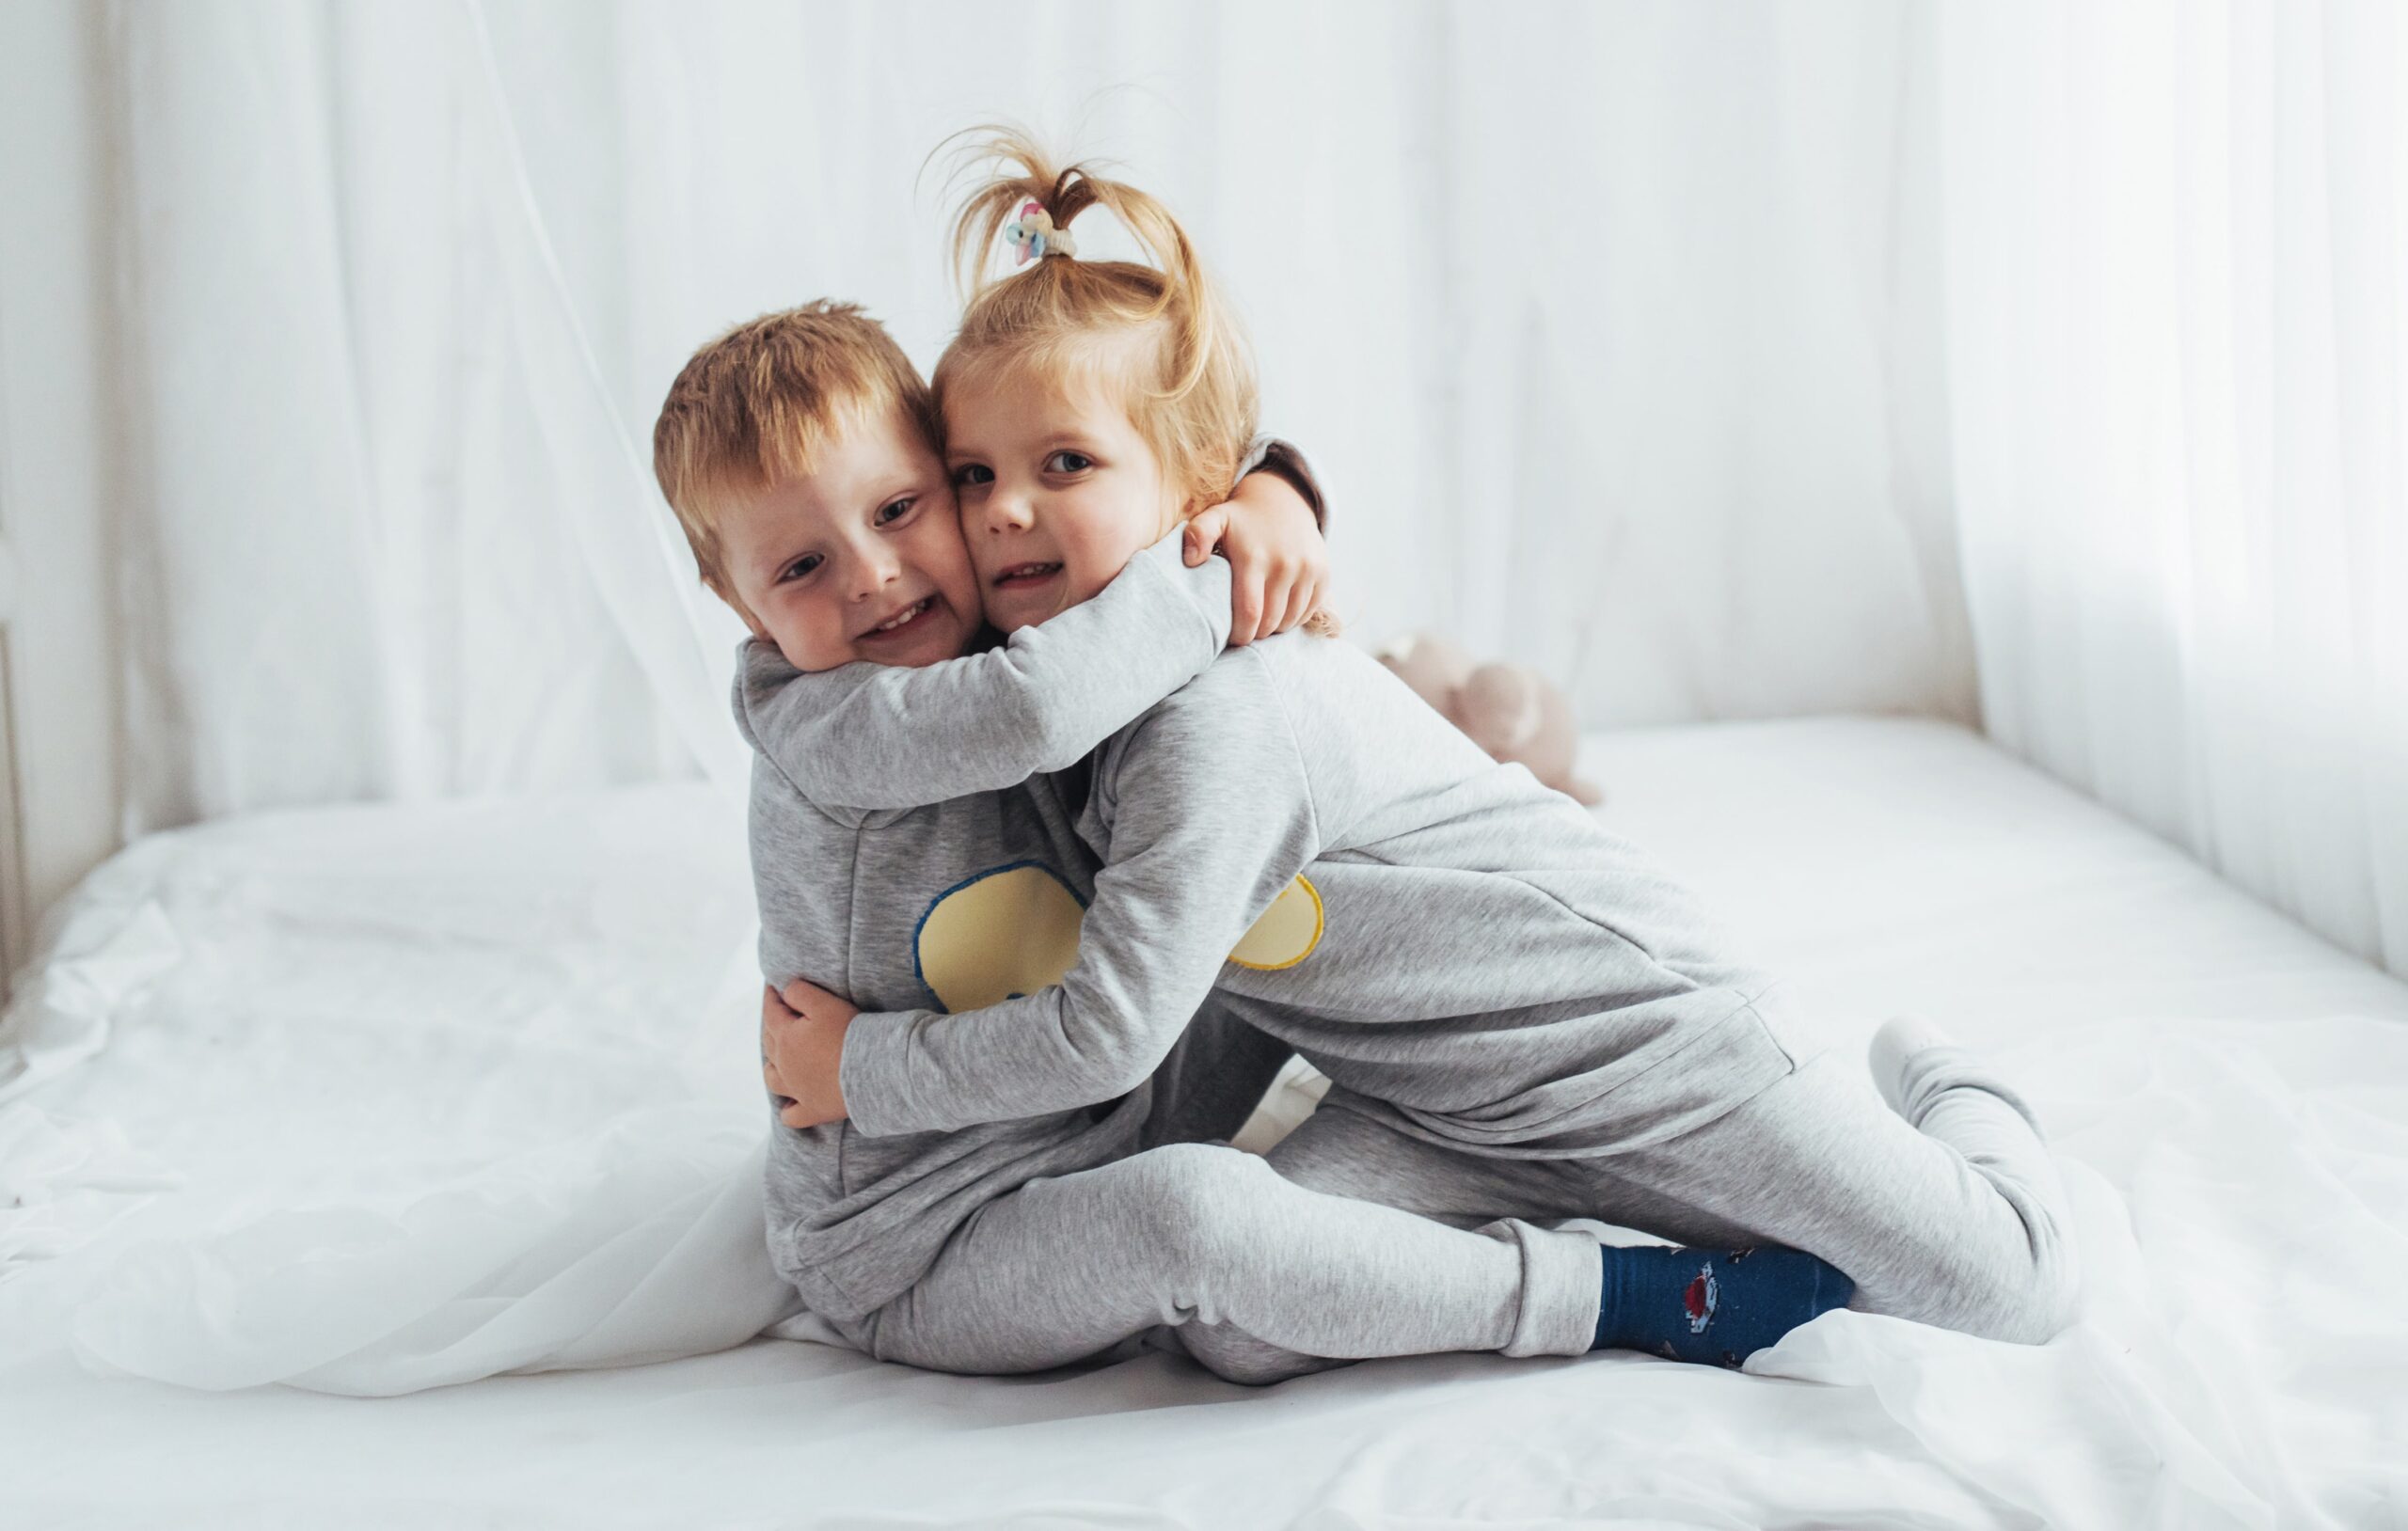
x: 802, y: 1046
x: 1278, y: 564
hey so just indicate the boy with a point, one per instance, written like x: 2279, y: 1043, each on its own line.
x: 801, y: 456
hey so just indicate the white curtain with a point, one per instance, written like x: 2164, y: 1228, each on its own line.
x: 1611, y: 327
x: 2176, y: 254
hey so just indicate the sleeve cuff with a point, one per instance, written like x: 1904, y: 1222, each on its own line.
x: 1272, y: 455
x: 874, y: 1070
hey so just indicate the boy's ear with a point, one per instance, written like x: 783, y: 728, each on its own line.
x: 711, y: 583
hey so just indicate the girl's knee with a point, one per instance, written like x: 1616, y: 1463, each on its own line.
x: 1199, y: 1205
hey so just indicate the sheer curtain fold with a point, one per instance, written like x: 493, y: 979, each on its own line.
x: 393, y: 541
x: 1595, y: 318
x: 1724, y: 360
x: 2177, y: 256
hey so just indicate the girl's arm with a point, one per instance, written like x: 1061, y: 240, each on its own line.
x: 1211, y: 817
x: 877, y: 736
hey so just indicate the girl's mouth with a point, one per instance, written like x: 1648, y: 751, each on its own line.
x: 903, y: 623
x: 1023, y: 576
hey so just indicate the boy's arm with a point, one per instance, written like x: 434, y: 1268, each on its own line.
x: 1280, y: 459
x: 883, y: 736
x: 1278, y: 560
x: 1213, y: 816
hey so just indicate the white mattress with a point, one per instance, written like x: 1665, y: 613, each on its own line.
x: 358, y: 1007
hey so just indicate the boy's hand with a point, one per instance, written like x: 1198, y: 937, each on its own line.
x: 1278, y: 564
x: 802, y: 1043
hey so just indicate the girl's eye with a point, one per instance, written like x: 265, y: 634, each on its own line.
x: 892, y: 511
x: 969, y: 474
x: 802, y: 566
x: 1068, y: 461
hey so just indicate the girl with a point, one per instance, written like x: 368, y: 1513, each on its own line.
x: 1520, y: 1016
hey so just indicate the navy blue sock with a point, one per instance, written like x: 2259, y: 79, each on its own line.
x: 1711, y: 1304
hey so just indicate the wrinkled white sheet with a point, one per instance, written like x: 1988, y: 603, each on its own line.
x: 502, y: 1051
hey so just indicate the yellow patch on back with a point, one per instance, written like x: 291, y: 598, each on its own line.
x: 1287, y: 933
x: 1004, y: 934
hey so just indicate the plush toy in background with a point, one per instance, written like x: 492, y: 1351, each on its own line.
x: 1508, y: 710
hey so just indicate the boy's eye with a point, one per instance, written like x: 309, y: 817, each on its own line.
x: 1068, y: 461
x: 800, y: 566
x: 891, y: 512
x: 969, y: 474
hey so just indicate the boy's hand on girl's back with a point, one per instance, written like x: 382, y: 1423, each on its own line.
x: 1278, y: 564
x: 802, y: 1046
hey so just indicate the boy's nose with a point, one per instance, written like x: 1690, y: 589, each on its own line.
x: 874, y: 571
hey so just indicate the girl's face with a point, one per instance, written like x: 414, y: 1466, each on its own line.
x: 1057, y: 493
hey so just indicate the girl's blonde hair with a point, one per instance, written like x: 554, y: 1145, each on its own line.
x: 1157, y: 336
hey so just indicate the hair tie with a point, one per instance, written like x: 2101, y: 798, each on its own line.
x: 1034, y: 235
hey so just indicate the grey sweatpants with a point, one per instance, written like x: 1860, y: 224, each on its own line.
x: 1352, y: 1241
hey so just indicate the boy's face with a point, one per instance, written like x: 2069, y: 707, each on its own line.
x: 1057, y: 494
x: 862, y: 559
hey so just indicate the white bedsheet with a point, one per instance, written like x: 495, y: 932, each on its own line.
x: 533, y: 1022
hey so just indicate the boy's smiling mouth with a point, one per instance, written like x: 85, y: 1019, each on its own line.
x: 904, y: 621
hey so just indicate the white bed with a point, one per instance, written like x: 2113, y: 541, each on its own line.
x: 360, y: 1006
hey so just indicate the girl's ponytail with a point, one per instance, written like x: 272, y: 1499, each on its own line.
x: 1192, y: 390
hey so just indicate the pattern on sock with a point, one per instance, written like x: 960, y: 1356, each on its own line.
x: 1717, y: 1306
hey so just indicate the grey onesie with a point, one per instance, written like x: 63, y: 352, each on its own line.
x: 1521, y: 1017
x: 1035, y: 1239
x: 955, y: 903
x: 912, y: 1244
x: 967, y: 900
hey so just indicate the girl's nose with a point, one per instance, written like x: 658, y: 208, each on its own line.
x: 1007, y: 511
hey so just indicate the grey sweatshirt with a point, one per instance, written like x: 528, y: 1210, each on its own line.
x: 972, y: 897
x: 1467, y: 953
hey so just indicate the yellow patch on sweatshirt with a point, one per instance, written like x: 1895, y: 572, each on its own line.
x: 1287, y: 933
x: 1015, y: 930
x: 1000, y: 935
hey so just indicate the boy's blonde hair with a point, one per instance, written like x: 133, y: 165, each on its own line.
x: 760, y: 403
x: 1158, y: 337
